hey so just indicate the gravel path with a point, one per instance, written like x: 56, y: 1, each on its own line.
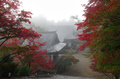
x: 54, y: 77
x: 65, y: 77
x: 81, y: 69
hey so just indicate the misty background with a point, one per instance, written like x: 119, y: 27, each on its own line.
x: 64, y: 28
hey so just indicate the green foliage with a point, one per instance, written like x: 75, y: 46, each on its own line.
x: 69, y: 59
x: 87, y: 55
x: 102, y: 34
x: 6, y: 68
x: 23, y: 70
x: 7, y: 65
x: 70, y: 51
x: 6, y: 58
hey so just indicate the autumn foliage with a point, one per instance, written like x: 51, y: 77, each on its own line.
x: 102, y: 34
x: 30, y: 55
x: 11, y: 21
x: 13, y: 34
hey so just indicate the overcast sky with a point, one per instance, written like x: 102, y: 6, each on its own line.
x: 56, y: 10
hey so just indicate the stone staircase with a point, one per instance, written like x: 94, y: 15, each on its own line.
x: 53, y: 77
x: 65, y: 77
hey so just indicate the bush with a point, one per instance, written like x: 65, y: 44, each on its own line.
x: 6, y: 68
x: 68, y: 60
x: 23, y: 70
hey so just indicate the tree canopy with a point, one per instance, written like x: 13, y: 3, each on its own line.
x: 13, y: 34
x: 11, y: 21
x: 102, y: 34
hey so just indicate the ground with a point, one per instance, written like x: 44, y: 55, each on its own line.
x: 81, y: 69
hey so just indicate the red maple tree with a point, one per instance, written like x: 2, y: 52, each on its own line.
x: 31, y: 54
x: 11, y: 21
x: 102, y: 34
x: 13, y: 34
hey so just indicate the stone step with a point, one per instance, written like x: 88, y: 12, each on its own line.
x: 59, y: 77
x: 66, y: 77
x: 53, y: 77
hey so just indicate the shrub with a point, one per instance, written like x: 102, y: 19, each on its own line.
x: 6, y: 68
x: 23, y: 70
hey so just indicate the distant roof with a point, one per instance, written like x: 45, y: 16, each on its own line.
x: 50, y: 38
x: 52, y: 42
x: 57, y: 47
x: 65, y: 32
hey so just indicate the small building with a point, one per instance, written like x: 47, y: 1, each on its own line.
x: 52, y: 44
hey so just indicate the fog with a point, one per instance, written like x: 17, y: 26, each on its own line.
x: 42, y: 22
x: 64, y: 28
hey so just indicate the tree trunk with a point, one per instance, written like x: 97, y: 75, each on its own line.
x: 116, y: 76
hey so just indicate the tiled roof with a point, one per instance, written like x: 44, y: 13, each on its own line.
x: 52, y: 42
